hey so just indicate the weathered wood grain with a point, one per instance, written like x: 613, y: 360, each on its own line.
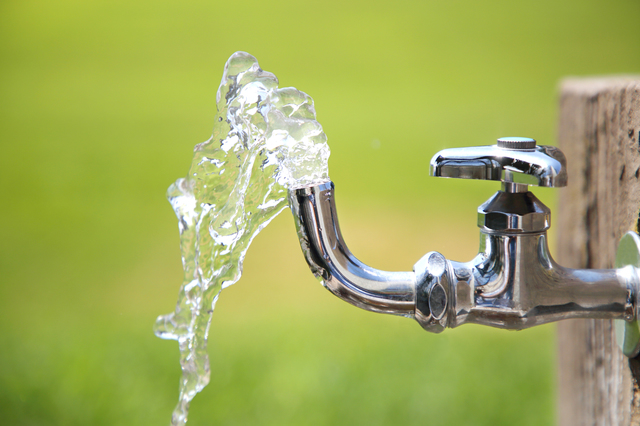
x: 598, y: 132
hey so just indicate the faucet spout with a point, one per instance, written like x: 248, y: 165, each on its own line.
x: 330, y: 260
x: 512, y: 283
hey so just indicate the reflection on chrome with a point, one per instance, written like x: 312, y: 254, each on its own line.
x: 513, y: 282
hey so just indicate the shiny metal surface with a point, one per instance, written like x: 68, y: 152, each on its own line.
x: 331, y: 261
x: 513, y: 212
x: 628, y: 332
x: 513, y: 282
x: 541, y: 166
x: 523, y: 144
x: 513, y: 187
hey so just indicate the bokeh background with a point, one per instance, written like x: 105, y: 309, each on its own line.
x: 101, y: 104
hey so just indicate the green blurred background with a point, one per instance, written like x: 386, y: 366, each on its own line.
x: 101, y: 104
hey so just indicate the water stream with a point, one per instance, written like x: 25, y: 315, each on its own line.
x: 265, y: 141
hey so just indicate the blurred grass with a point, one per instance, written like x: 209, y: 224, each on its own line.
x: 100, y: 106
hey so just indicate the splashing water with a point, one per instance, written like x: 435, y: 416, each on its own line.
x: 265, y: 141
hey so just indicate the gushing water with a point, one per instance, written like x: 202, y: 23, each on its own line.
x: 265, y: 141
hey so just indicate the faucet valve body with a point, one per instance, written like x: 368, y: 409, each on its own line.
x: 512, y: 283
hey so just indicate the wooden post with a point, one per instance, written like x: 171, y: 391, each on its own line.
x: 598, y: 132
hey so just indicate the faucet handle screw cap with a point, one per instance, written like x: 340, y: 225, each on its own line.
x: 515, y: 143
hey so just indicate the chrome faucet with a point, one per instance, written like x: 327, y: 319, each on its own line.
x: 512, y: 283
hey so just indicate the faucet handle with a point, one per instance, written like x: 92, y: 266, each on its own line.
x: 511, y: 160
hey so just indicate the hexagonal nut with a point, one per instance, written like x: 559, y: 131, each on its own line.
x: 499, y: 221
x: 514, y: 212
x: 432, y: 292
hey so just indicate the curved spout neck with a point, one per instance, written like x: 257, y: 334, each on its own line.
x: 512, y: 283
x: 330, y: 260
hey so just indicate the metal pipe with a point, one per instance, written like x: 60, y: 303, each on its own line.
x: 512, y: 283
x: 330, y: 260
